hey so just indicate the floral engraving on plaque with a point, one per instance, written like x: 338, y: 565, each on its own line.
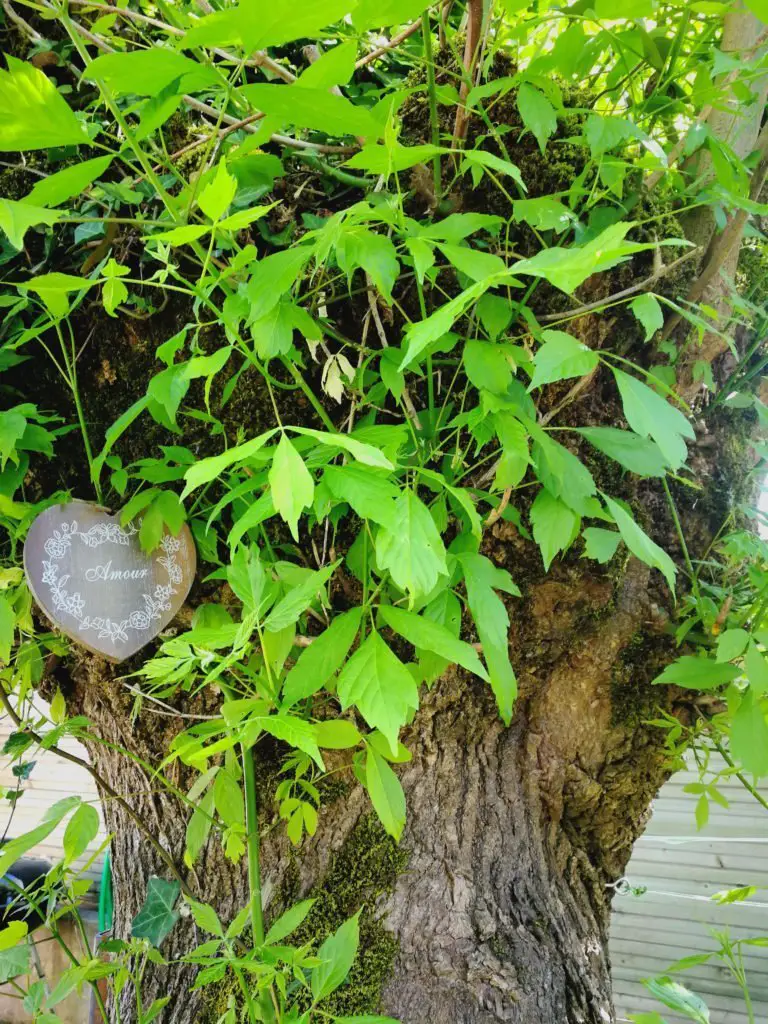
x: 73, y: 604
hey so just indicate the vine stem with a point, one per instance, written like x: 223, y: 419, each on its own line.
x: 426, y: 32
x: 681, y: 538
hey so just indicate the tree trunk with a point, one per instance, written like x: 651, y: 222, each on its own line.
x: 500, y: 909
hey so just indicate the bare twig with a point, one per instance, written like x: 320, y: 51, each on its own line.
x: 407, y: 400
x: 498, y: 512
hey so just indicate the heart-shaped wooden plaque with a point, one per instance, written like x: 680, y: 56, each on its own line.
x: 93, y: 581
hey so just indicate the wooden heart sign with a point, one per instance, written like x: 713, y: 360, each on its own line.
x: 93, y: 581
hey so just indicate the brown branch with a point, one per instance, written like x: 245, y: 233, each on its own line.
x: 721, y: 246
x: 641, y: 286
x: 471, y: 53
x: 105, y: 787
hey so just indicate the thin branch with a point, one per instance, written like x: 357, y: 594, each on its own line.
x: 471, y: 53
x: 641, y: 286
x: 372, y: 305
x: 721, y: 246
x: 102, y: 783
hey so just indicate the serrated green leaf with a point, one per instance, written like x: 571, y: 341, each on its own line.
x: 336, y: 955
x: 649, y: 415
x: 288, y: 922
x: 637, y: 454
x: 82, y: 828
x: 291, y: 484
x: 380, y: 686
x: 69, y: 182
x: 33, y: 114
x: 17, y: 218
x: 749, y: 735
x: 648, y: 311
x: 312, y: 108
x: 412, y: 549
x: 537, y: 113
x: 640, y: 544
x: 560, y: 357
x: 385, y: 792
x: 429, y: 635
x: 325, y: 656
x: 555, y: 526
x: 697, y: 673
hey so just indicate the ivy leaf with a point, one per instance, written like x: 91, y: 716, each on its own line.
x: 380, y: 686
x: 555, y: 526
x: 482, y: 578
x: 69, y: 182
x: 697, y: 673
x: 385, y: 792
x: 433, y: 636
x: 337, y: 954
x: 560, y: 357
x: 537, y: 113
x: 325, y: 656
x: 157, y: 916
x: 291, y: 484
x: 749, y: 735
x: 600, y: 544
x: 637, y: 454
x: 33, y: 113
x: 17, y: 218
x: 312, y: 108
x: 649, y: 415
x: 640, y: 544
x: 412, y: 549
x: 648, y: 311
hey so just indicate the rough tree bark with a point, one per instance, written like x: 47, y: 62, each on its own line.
x: 501, y: 911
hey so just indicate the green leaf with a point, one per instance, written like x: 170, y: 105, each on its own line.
x: 678, y: 998
x: 756, y: 668
x: 211, y: 468
x: 148, y: 72
x: 15, y: 961
x: 561, y: 472
x: 412, y: 549
x: 33, y: 114
x: 537, y: 113
x: 649, y: 415
x: 368, y: 454
x: 294, y: 731
x: 560, y: 357
x: 604, y: 133
x: 198, y: 828
x: 386, y: 793
x: 421, y: 334
x: 15, y: 848
x: 482, y: 579
x: 731, y: 644
x: 288, y: 609
x: 457, y: 226
x: 600, y: 544
x: 272, y: 277
x: 544, y: 214
x: 288, y: 922
x: 648, y: 311
x: 375, y: 254
x: 82, y: 828
x: 17, y: 218
x: 312, y: 108
x: 218, y: 194
x: 371, y: 494
x: 291, y: 484
x: 375, y: 14
x: 749, y: 735
x: 205, y: 917
x: 157, y: 916
x: 54, y: 288
x: 474, y: 263
x: 640, y: 544
x: 254, y: 26
x: 491, y: 162
x: 380, y: 686
x: 325, y: 656
x: 631, y: 9
x: 487, y: 366
x: 337, y: 954
x: 335, y: 67
x: 337, y: 734
x: 566, y: 269
x: 247, y: 578
x: 7, y: 625
x: 388, y: 160
x: 432, y: 636
x: 697, y: 673
x: 65, y: 184
x: 555, y: 526
x: 637, y: 454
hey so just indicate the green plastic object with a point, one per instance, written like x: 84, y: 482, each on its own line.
x: 106, y: 905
